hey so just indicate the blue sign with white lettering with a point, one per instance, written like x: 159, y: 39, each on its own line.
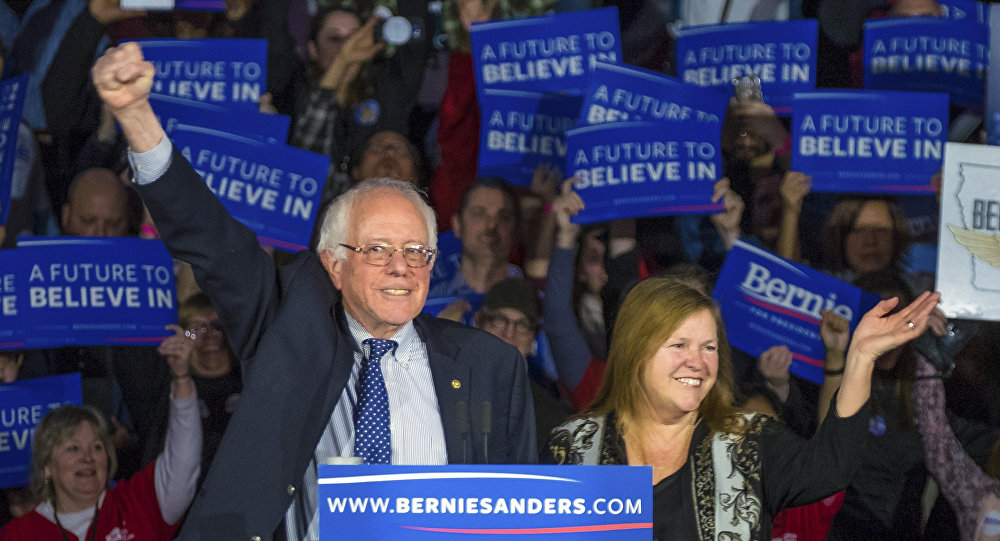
x: 869, y: 142
x: 549, y: 53
x: 522, y: 130
x: 23, y: 404
x: 11, y: 108
x: 200, y: 5
x: 634, y: 169
x: 274, y: 190
x: 769, y: 301
x: 174, y: 112
x: 376, y: 502
x: 228, y: 72
x: 781, y: 53
x: 60, y: 291
x: 623, y: 93
x: 959, y: 10
x: 929, y: 54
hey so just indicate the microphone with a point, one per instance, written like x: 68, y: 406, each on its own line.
x: 462, y: 419
x: 487, y: 419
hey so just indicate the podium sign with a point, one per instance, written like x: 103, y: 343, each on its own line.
x: 375, y: 502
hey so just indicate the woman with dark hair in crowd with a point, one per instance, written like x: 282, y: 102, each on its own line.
x: 667, y: 401
x: 865, y: 234
x: 73, y: 458
x: 883, y: 500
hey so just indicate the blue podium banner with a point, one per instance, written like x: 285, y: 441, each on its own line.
x: 274, y: 190
x: 12, y: 93
x: 868, y: 141
x: 23, y: 404
x: 227, y: 72
x: 450, y: 502
x: 635, y: 169
x: 928, y: 54
x: 60, y: 291
x: 549, y: 53
x: 623, y: 93
x: 781, y: 53
x: 769, y: 301
x: 174, y: 112
x: 522, y: 130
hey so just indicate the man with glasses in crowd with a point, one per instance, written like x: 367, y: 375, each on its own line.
x: 332, y: 346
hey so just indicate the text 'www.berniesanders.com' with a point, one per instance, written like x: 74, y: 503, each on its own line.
x: 486, y: 506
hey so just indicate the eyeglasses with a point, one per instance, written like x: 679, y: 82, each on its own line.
x: 499, y: 321
x: 213, y: 327
x: 379, y: 253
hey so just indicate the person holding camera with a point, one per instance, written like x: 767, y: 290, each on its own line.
x: 365, y: 79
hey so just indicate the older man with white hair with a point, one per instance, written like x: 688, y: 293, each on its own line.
x: 338, y: 361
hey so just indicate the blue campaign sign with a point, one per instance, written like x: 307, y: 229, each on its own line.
x: 553, y: 53
x: 200, y: 5
x: 933, y: 55
x: 23, y: 404
x: 965, y: 9
x: 274, y: 190
x: 623, y: 93
x: 781, y: 53
x: 375, y: 502
x: 227, y: 72
x: 174, y: 112
x: 11, y: 107
x: 868, y: 141
x: 634, y: 169
x: 769, y: 301
x: 522, y: 130
x: 58, y: 291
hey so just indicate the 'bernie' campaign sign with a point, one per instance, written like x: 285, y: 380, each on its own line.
x: 23, y: 404
x: 522, y: 130
x: 549, y: 53
x: 869, y: 141
x: 634, y: 169
x: 768, y: 301
x: 60, y: 291
x: 933, y: 55
x: 630, y: 94
x: 227, y: 72
x: 781, y: 53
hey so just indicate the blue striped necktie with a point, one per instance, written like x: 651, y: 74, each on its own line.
x: 372, y: 438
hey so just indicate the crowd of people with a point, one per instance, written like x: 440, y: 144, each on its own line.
x: 596, y: 344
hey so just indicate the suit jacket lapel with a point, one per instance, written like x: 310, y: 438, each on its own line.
x: 452, y: 386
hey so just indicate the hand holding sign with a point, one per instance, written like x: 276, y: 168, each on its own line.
x: 773, y: 364
x: 110, y: 11
x: 835, y: 332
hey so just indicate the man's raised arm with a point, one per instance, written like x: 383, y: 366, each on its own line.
x: 123, y: 79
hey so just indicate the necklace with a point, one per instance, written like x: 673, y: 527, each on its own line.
x: 681, y: 454
x: 92, y: 530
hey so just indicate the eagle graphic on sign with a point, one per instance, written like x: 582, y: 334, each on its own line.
x: 985, y: 246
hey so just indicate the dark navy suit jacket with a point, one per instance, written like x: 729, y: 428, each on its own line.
x: 286, y: 325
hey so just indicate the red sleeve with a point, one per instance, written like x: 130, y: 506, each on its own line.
x: 458, y: 138
x: 585, y: 392
x: 133, y: 502
x: 809, y: 522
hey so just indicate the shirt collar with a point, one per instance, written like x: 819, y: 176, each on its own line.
x: 406, y: 339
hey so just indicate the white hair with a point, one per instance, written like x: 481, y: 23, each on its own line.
x: 336, y: 220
